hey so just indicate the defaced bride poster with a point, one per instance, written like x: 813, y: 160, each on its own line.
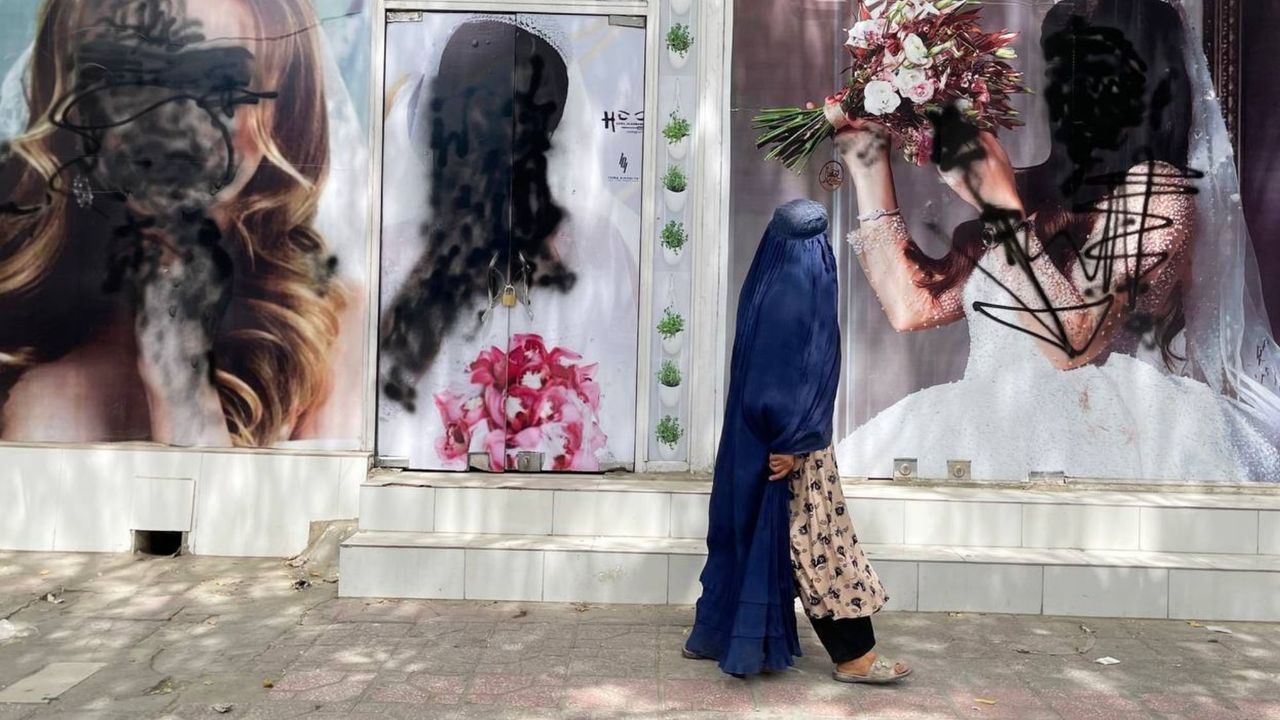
x: 510, y: 250
x: 1114, y: 329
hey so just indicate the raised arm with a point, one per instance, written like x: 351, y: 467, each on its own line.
x: 883, y: 243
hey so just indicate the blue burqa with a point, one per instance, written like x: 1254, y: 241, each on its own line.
x: 782, y: 390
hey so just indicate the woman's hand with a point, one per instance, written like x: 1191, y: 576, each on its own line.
x: 977, y: 168
x: 864, y: 146
x: 781, y: 466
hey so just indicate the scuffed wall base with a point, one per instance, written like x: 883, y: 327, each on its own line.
x: 232, y: 503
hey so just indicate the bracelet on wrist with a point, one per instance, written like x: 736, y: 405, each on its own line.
x: 876, y: 215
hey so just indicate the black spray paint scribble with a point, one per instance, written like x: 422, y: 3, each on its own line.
x: 1118, y: 96
x: 156, y: 119
x: 146, y: 123
x: 1100, y: 259
x: 485, y: 129
x: 148, y: 218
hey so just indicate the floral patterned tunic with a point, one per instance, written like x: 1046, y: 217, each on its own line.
x: 832, y: 573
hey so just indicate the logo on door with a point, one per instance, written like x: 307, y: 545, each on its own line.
x: 623, y: 121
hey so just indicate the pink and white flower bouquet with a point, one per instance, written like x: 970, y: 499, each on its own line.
x: 531, y: 399
x: 911, y: 58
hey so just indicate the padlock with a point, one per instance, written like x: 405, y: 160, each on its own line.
x: 509, y: 296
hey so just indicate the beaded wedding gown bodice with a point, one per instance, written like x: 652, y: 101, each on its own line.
x: 1013, y: 412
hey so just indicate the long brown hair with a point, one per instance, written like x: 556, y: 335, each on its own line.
x: 272, y: 348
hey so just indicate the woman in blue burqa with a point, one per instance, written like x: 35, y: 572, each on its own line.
x: 779, y: 526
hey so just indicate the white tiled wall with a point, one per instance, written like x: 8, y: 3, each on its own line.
x: 1106, y: 591
x: 1199, y: 530
x: 394, y: 508
x: 352, y: 473
x: 900, y: 580
x: 93, y: 514
x: 683, y: 571
x: 1269, y: 532
x: 473, y: 510
x: 165, y: 504
x: 881, y: 522
x: 372, y: 571
x: 973, y: 524
x: 1082, y: 527
x: 232, y: 503
x: 977, y: 587
x: 604, y: 577
x: 257, y: 504
x: 689, y: 512
x: 924, y: 585
x: 1224, y: 595
x: 628, y: 514
x: 29, y: 492
x: 504, y: 575
x: 96, y: 503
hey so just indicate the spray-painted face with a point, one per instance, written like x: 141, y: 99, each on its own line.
x: 157, y: 115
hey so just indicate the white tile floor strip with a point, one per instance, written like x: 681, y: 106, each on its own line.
x: 49, y: 682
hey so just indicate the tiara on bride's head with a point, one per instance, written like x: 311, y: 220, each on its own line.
x: 545, y: 27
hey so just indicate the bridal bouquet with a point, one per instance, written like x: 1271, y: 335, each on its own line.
x: 911, y: 58
x: 530, y: 398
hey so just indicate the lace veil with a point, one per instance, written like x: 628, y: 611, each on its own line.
x: 1228, y: 339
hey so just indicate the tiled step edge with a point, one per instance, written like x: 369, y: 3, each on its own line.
x: 928, y: 579
x: 883, y: 553
x: 1253, y: 497
x: 889, y: 516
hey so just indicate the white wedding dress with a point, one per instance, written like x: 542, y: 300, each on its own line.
x: 1120, y: 417
x: 1013, y: 413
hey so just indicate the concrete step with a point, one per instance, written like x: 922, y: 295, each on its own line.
x: 1228, y: 520
x: 648, y: 570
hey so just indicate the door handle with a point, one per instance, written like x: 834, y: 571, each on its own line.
x: 497, y: 286
x: 524, y: 275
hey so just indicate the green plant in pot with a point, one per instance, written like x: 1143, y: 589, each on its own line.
x: 671, y: 328
x: 679, y: 41
x: 677, y: 133
x: 675, y: 182
x: 669, y: 379
x: 673, y: 238
x: 669, y: 375
x: 669, y: 434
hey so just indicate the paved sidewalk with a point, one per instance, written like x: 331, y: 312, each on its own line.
x: 190, y: 637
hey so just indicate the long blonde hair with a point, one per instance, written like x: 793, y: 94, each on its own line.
x: 271, y: 351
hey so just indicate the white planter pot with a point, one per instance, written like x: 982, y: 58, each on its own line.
x: 672, y: 256
x: 668, y: 453
x: 678, y: 150
x: 677, y: 60
x: 675, y: 200
x: 680, y: 7
x: 669, y: 396
x: 673, y: 345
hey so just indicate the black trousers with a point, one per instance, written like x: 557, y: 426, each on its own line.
x: 845, y: 639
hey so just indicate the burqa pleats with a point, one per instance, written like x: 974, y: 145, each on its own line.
x: 782, y: 386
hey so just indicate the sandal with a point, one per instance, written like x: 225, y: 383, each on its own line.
x: 881, y: 673
x: 688, y: 654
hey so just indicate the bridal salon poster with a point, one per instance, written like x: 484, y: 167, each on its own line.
x: 510, y: 242
x: 183, y: 221
x: 1135, y: 344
